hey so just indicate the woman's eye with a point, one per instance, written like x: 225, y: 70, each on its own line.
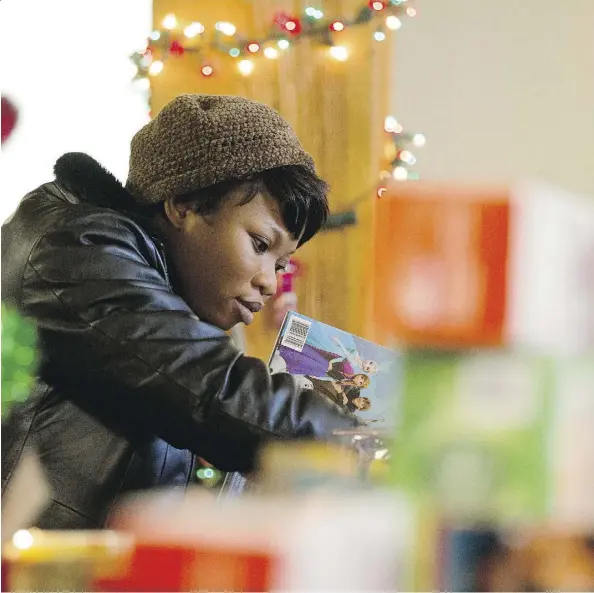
x: 260, y: 245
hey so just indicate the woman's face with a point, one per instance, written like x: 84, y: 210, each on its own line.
x: 226, y: 262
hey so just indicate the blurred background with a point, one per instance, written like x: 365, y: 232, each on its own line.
x: 458, y: 139
x: 501, y: 91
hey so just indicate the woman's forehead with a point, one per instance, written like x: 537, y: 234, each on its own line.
x: 265, y: 210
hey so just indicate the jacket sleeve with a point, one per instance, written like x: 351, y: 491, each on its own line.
x: 106, y: 314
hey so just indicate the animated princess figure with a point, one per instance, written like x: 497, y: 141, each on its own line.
x: 371, y: 367
x: 317, y: 358
x: 346, y: 393
x: 312, y: 361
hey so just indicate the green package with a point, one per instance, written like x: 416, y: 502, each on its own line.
x: 473, y: 438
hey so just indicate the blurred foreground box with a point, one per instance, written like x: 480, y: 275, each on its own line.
x: 333, y: 541
x: 174, y: 541
x: 462, y: 266
x: 498, y: 437
x: 531, y: 559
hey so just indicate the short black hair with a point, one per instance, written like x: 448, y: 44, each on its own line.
x: 299, y: 192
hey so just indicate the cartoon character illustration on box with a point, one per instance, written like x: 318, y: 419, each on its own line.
x: 318, y: 358
x: 345, y: 393
x: 311, y: 361
x: 340, y: 366
x: 353, y: 359
x: 357, y: 402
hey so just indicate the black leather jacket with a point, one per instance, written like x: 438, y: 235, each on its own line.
x: 132, y: 384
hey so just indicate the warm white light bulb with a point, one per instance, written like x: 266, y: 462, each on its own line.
x: 246, y: 67
x: 226, y: 28
x: 22, y: 539
x: 339, y: 52
x: 194, y: 29
x: 400, y: 174
x: 284, y: 43
x: 156, y: 68
x: 271, y: 53
x: 379, y: 36
x: 169, y: 22
x: 408, y: 157
x: 155, y: 35
x: 393, y: 22
x: 419, y: 140
x: 390, y: 123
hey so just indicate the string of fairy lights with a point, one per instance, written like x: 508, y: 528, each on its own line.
x: 175, y: 39
x: 398, y: 152
x: 398, y: 158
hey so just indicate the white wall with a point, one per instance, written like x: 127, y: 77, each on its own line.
x: 65, y: 64
x: 502, y: 89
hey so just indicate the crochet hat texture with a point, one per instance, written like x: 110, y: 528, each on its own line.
x: 199, y: 140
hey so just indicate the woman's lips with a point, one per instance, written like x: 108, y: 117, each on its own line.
x: 247, y: 310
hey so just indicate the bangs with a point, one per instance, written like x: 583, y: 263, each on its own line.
x: 300, y: 194
x: 302, y: 199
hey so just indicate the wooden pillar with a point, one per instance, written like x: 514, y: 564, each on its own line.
x: 336, y: 108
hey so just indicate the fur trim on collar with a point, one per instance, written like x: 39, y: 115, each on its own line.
x: 92, y: 183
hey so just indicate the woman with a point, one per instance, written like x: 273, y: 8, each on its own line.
x: 133, y: 290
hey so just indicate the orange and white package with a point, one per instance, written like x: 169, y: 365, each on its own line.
x: 265, y: 543
x: 464, y: 265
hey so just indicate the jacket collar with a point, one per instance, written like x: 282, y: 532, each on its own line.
x: 83, y: 176
x: 88, y: 182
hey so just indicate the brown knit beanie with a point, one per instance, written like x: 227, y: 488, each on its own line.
x: 200, y: 140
